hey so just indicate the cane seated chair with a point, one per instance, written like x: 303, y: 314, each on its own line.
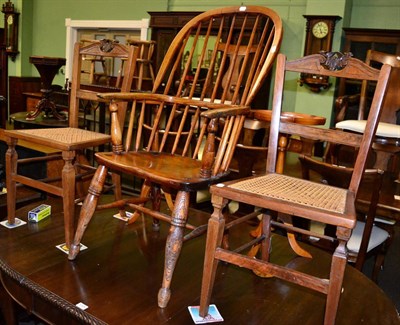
x: 281, y: 196
x: 70, y: 141
x: 174, y: 147
x: 367, y: 237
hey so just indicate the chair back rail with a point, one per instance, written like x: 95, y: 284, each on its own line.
x: 101, y: 49
x: 236, y: 47
x: 217, y: 62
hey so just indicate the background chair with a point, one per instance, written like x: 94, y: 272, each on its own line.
x: 280, y: 196
x: 386, y: 149
x: 366, y: 238
x: 352, y: 111
x: 70, y: 141
x: 170, y: 143
x: 144, y: 71
x: 94, y: 66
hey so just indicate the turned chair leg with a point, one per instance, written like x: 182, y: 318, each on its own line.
x: 145, y: 192
x: 68, y: 184
x: 156, y: 205
x: 174, y: 245
x: 116, y: 180
x: 88, y: 209
x: 338, y: 266
x: 215, y: 233
x: 11, y: 169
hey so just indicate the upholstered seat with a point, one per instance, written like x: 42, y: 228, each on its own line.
x: 377, y: 237
x: 387, y: 130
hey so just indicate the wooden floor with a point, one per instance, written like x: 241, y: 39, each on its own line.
x: 119, y: 275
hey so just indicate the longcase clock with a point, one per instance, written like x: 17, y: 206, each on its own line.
x: 319, y: 37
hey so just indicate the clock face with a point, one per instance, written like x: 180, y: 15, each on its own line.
x: 320, y: 29
x: 10, y: 20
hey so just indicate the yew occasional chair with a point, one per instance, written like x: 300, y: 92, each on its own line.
x: 280, y: 196
x: 70, y: 141
x: 367, y: 237
x: 171, y: 140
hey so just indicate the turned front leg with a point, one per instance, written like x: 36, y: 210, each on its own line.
x: 215, y: 233
x: 174, y: 245
x: 68, y: 185
x: 88, y: 209
x: 11, y: 170
x: 338, y: 266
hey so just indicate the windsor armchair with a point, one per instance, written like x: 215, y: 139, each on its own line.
x: 171, y: 141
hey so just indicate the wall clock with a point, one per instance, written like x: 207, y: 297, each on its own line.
x: 10, y: 29
x: 319, y: 37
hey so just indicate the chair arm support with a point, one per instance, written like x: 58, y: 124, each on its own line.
x: 116, y: 130
x: 209, y: 150
x: 169, y: 99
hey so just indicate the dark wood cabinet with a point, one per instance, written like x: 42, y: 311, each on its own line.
x: 164, y: 26
x: 19, y: 86
x: 359, y: 40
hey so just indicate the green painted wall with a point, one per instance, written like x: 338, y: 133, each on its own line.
x: 383, y: 14
x: 42, y: 30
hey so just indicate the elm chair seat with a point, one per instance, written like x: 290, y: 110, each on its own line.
x: 163, y: 167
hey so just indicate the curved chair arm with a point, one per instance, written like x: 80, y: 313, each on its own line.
x: 212, y: 111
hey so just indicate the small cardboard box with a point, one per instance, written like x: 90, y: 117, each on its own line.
x: 39, y: 213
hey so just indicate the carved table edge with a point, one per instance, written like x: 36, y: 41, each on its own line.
x: 47, y: 295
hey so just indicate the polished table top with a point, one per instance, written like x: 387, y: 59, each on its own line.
x: 21, y: 122
x: 118, y: 277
